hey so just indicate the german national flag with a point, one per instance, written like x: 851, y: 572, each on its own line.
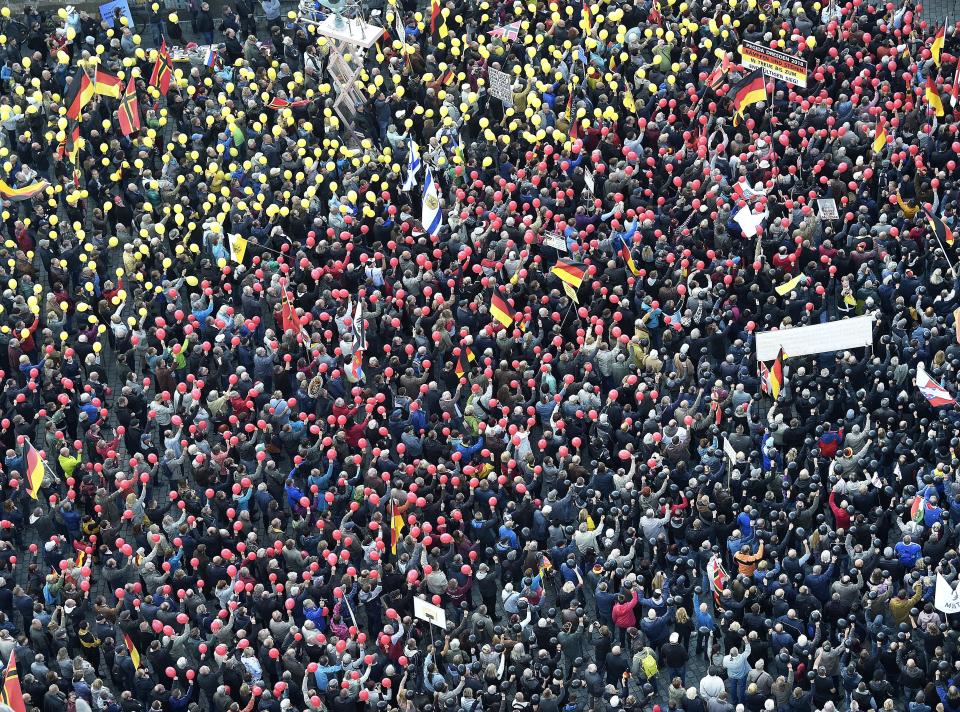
x: 940, y: 230
x: 69, y: 148
x: 434, y: 14
x: 132, y: 649
x: 500, y: 311
x: 625, y: 254
x: 459, y: 369
x: 129, y: 111
x: 933, y: 96
x: 79, y: 94
x: 751, y: 90
x: 880, y: 137
x: 448, y: 78
x: 25, y: 193
x: 162, y: 69
x: 106, y: 84
x: 775, y: 376
x: 570, y: 272
x: 396, y: 527
x: 937, y: 47
x: 12, y: 695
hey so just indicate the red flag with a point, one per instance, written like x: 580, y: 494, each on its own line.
x: 129, y: 111
x: 12, y: 695
x: 162, y: 69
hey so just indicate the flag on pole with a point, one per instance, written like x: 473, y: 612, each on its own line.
x: 771, y: 379
x: 129, y: 111
x: 936, y: 394
x: 956, y: 323
x: 396, y: 527
x: 500, y: 311
x: 12, y: 695
x: 432, y: 218
x: 955, y: 87
x: 210, y: 60
x: 751, y: 90
x: 459, y: 369
x: 289, y: 321
x: 78, y: 95
x: 570, y: 272
x: 34, y: 470
x: 880, y: 136
x: 938, y: 41
x: 106, y: 84
x: 434, y: 13
x: 941, y: 230
x: 413, y: 164
x: 162, y: 69
x: 132, y: 649
x: 933, y: 96
x: 624, y: 250
x: 238, y: 247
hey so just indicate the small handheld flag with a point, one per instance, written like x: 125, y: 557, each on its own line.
x: 500, y: 311
x: 935, y: 394
x: 570, y: 272
x: 432, y: 218
x: 933, y: 96
x: 34, y: 470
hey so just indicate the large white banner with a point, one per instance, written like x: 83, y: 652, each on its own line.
x: 945, y: 598
x: 816, y: 339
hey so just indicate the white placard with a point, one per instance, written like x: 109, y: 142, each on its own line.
x: 426, y: 611
x: 501, y: 86
x: 827, y: 207
x: 946, y: 598
x: 556, y: 241
x: 816, y: 339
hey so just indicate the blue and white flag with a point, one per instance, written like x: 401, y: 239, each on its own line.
x: 432, y: 217
x: 413, y: 164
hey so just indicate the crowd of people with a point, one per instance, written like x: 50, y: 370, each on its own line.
x: 448, y: 399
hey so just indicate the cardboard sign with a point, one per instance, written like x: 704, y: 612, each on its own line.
x: 501, y: 86
x: 827, y: 208
x: 557, y: 242
x: 426, y: 611
x: 778, y: 65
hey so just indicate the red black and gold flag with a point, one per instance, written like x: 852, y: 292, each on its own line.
x: 500, y: 310
x: 941, y: 230
x: 78, y: 95
x: 751, y: 90
x: 106, y: 84
x: 570, y: 272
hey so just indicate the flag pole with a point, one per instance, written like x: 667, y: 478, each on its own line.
x: 946, y: 256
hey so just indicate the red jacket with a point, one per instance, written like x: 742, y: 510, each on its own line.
x: 840, y: 516
x: 623, y: 613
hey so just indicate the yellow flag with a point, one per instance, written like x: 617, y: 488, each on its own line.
x: 790, y: 284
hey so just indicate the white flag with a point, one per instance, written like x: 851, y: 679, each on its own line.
x: 749, y: 221
x: 432, y: 217
x: 413, y: 164
x: 946, y: 598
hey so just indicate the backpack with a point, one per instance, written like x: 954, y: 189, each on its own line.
x: 649, y: 666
